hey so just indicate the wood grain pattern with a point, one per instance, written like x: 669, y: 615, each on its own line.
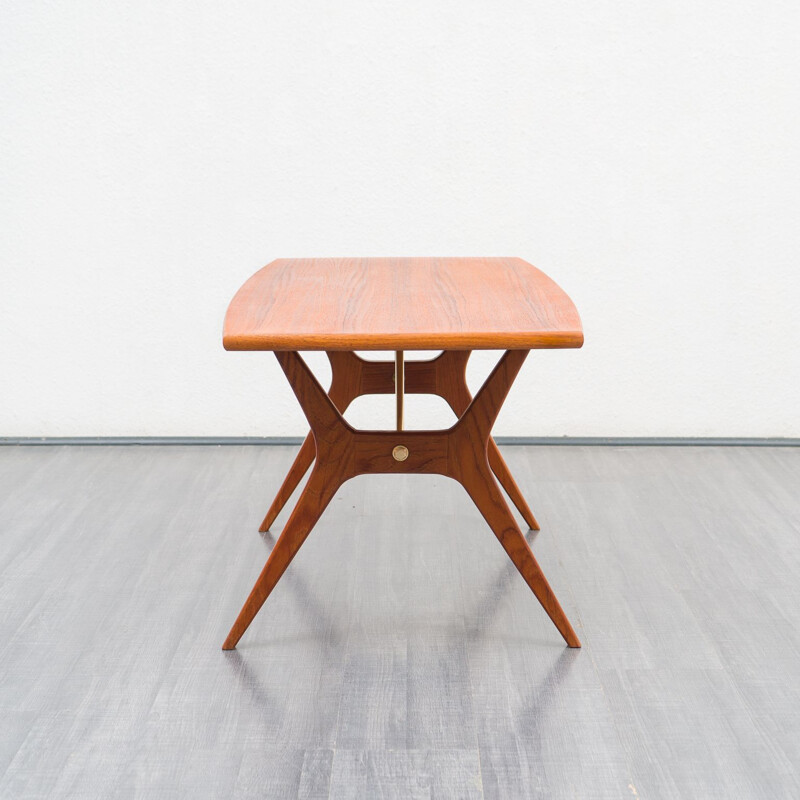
x: 400, y: 304
x: 343, y: 452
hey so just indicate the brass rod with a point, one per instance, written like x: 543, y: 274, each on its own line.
x: 399, y: 385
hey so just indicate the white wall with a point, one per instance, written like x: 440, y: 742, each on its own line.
x: 155, y: 154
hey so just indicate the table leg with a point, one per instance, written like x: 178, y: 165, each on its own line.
x: 500, y: 469
x: 317, y: 493
x: 347, y: 383
x: 303, y: 460
x: 461, y: 452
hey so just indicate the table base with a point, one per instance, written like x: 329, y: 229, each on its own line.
x: 465, y: 452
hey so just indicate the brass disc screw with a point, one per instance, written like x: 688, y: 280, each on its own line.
x: 400, y: 453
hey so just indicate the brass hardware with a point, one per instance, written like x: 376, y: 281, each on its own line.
x: 399, y: 385
x: 400, y: 453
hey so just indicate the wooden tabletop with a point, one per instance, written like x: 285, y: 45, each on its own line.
x: 400, y: 304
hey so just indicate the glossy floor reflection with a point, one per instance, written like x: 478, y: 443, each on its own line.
x: 401, y: 655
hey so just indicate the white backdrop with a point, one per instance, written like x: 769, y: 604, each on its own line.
x: 155, y: 154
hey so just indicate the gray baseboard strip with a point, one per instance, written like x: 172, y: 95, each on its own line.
x: 651, y: 441
x: 614, y: 441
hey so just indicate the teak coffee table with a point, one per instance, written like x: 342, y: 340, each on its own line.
x: 453, y: 305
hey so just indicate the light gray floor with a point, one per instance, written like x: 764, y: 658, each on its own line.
x: 401, y: 656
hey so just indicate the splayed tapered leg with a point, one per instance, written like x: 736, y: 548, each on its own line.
x: 468, y: 463
x: 486, y: 495
x: 299, y: 467
x: 316, y: 495
x: 500, y: 469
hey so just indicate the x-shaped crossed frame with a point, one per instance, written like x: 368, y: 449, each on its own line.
x: 465, y: 452
x: 352, y: 377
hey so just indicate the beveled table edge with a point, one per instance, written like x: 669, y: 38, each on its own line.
x: 537, y: 340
